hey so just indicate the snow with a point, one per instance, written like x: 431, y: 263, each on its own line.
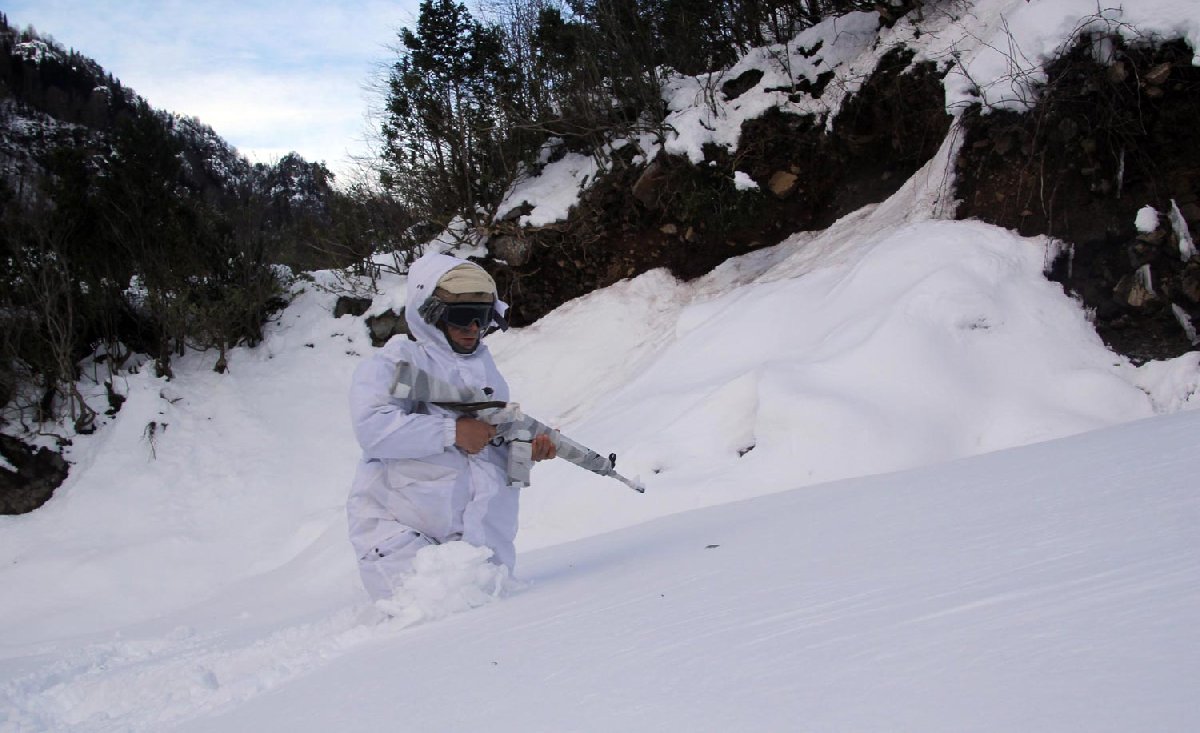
x: 743, y: 182
x: 1144, y: 278
x: 1185, y: 322
x: 1019, y: 591
x: 1147, y: 219
x: 999, y: 48
x: 895, y: 482
x: 555, y: 189
x: 199, y: 577
x: 1050, y: 587
x: 36, y: 51
x: 1187, y: 248
x: 445, y: 579
x: 700, y: 113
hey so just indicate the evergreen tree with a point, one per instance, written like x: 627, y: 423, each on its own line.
x: 444, y: 124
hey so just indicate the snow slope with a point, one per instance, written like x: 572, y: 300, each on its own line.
x: 201, y: 576
x: 1047, y: 588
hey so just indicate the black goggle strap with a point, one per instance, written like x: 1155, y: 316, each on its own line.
x: 432, y: 310
x: 500, y: 320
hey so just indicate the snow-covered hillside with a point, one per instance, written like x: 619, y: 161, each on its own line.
x: 196, y: 562
x: 1047, y: 588
x: 895, y: 482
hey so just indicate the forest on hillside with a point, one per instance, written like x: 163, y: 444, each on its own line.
x: 125, y: 229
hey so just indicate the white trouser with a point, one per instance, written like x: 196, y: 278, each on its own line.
x: 383, y: 567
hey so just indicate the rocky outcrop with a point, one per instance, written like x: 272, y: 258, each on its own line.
x: 39, y: 471
x: 1105, y: 142
x: 348, y: 305
x: 384, y: 326
x: 689, y: 218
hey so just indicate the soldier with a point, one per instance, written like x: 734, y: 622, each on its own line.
x: 429, y: 475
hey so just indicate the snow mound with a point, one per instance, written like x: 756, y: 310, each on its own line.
x: 446, y: 579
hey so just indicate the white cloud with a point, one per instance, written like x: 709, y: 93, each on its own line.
x: 270, y: 76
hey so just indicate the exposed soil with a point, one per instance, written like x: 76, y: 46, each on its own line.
x: 1105, y: 141
x: 690, y: 218
x: 38, y: 472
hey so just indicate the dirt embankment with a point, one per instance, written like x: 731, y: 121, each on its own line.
x: 1105, y: 141
x: 689, y: 218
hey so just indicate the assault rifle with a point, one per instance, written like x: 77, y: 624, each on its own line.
x: 512, y: 426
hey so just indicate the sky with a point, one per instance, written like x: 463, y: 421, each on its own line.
x: 895, y: 481
x: 270, y: 76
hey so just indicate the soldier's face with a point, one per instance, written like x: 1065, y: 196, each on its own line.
x: 465, y: 338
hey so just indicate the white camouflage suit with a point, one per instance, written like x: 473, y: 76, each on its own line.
x: 413, y: 486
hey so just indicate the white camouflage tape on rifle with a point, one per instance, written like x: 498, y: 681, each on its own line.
x: 512, y: 426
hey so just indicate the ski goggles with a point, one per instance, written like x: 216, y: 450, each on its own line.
x: 462, y: 315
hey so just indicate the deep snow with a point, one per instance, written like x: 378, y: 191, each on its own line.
x: 895, y: 482
x: 1047, y: 588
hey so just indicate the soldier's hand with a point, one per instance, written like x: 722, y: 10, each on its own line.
x: 472, y: 435
x: 543, y: 448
